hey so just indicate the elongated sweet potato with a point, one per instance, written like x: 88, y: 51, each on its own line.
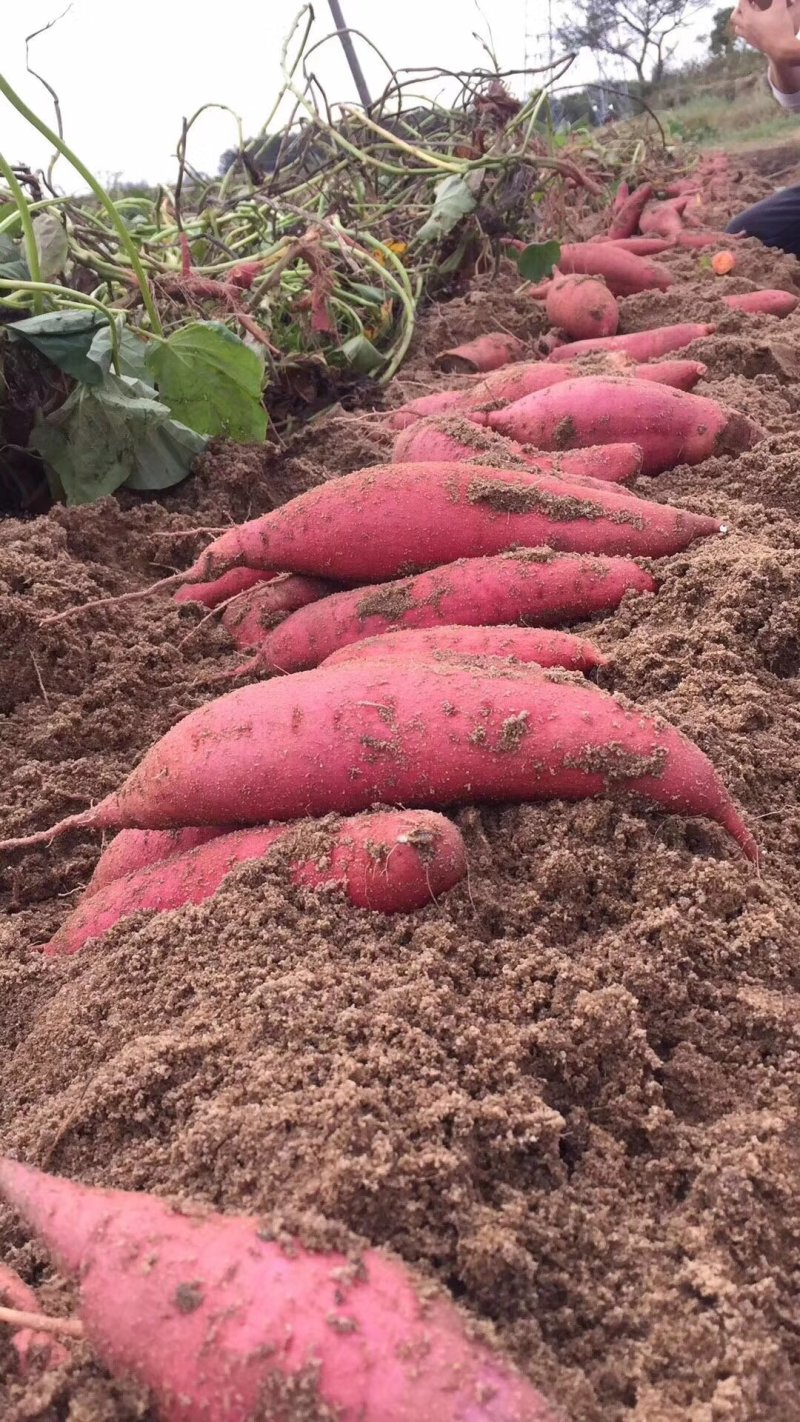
x: 764, y: 302
x: 626, y: 219
x: 625, y: 273
x: 620, y: 198
x: 235, y: 581
x: 582, y: 307
x: 680, y: 374
x: 543, y: 646
x: 483, y: 354
x: 701, y: 239
x: 456, y: 437
x: 681, y: 187
x: 505, y: 386
x: 499, y: 387
x: 343, y: 738
x: 135, y: 849
x: 536, y: 587
x: 643, y: 246
x: 392, y: 861
x: 435, y: 404
x: 247, y: 619
x: 415, y: 516
x: 224, y: 1324
x: 671, y: 426
x: 641, y: 346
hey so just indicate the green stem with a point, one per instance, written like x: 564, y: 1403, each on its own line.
x: 99, y: 192
x: 14, y: 219
x: 28, y: 234
x: 402, y: 288
x: 452, y: 166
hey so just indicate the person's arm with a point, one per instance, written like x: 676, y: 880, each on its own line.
x: 774, y: 32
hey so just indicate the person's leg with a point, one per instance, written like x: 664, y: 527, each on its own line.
x: 775, y: 221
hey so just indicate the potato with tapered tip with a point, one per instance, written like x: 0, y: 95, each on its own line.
x: 224, y: 1324
x: 343, y: 738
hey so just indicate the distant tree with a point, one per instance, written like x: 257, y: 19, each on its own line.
x: 573, y: 108
x: 636, y: 31
x: 722, y: 40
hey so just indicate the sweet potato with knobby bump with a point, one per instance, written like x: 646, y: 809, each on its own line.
x: 541, y: 589
x: 543, y: 646
x: 671, y: 426
x: 343, y: 738
x: 641, y: 346
x: 392, y: 862
x: 224, y: 1324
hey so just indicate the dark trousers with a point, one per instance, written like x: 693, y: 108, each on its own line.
x: 775, y: 221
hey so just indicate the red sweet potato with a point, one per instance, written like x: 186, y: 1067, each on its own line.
x: 582, y: 307
x: 435, y: 404
x: 680, y: 374
x: 702, y: 239
x: 626, y: 219
x: 505, y: 386
x: 457, y: 438
x: 346, y: 737
x: 235, y: 581
x: 135, y: 849
x: 499, y: 387
x: 536, y: 587
x: 415, y: 516
x: 483, y: 354
x: 620, y: 198
x: 765, y: 302
x: 247, y: 619
x: 543, y: 646
x: 31, y: 1346
x: 671, y: 426
x: 625, y: 273
x: 392, y: 861
x: 643, y: 246
x: 641, y: 346
x: 224, y: 1324
x: 681, y: 187
x: 661, y: 219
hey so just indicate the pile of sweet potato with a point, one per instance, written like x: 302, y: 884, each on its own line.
x: 410, y: 620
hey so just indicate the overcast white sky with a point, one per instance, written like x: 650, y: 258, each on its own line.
x: 127, y: 73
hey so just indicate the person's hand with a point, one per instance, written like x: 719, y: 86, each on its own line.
x: 772, y: 30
